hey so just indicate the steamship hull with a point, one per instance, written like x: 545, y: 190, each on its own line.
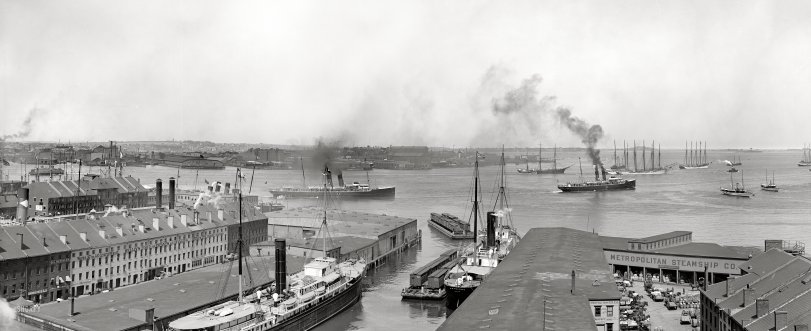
x: 629, y: 184
x: 316, y: 314
x: 457, y: 294
x: 376, y: 193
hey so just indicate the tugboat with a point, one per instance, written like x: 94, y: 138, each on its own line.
x: 737, y: 190
x: 479, y: 259
x: 322, y: 290
x: 771, y: 186
x: 612, y: 183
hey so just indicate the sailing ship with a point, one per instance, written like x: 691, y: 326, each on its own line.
x: 806, y: 161
x: 696, y: 159
x: 737, y: 189
x: 342, y: 191
x: 526, y: 169
x: 480, y: 258
x: 771, y: 186
x: 555, y: 169
x: 612, y: 183
x: 320, y: 291
x: 617, y: 167
x: 653, y: 169
x: 734, y: 162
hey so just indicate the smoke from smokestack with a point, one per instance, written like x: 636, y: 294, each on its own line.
x: 26, y: 127
x: 589, y: 134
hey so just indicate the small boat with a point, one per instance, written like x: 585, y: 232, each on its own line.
x: 771, y: 186
x: 806, y: 161
x: 732, y: 170
x: 736, y: 163
x: 737, y: 189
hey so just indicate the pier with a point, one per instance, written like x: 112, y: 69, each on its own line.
x: 427, y: 281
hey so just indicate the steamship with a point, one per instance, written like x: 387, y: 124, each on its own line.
x: 342, y: 191
x: 611, y: 183
x: 320, y: 291
x: 479, y: 259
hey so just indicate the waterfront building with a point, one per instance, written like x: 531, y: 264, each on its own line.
x: 554, y: 277
x: 772, y: 293
x: 673, y: 257
x: 60, y: 197
x: 121, y: 248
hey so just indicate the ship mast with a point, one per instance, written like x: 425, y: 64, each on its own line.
x: 540, y: 148
x: 635, y: 156
x: 501, y: 198
x: 644, y: 162
x: 476, y: 201
x: 239, y: 239
x: 615, y: 155
x: 652, y: 155
x: 303, y: 179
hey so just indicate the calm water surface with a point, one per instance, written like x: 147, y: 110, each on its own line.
x: 681, y: 200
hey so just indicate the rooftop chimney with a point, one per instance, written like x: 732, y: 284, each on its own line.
x: 83, y: 235
x: 574, y: 276
x: 727, y: 283
x: 171, y: 221
x: 102, y: 234
x: 141, y: 228
x: 761, y: 307
x: 158, y: 194
x: 156, y: 224
x: 22, y: 205
x: 220, y: 214
x: 63, y: 238
x: 171, y: 192
x: 21, y: 241
x: 227, y: 188
x: 780, y: 320
x: 281, y: 265
x: 748, y: 296
x: 183, y: 220
x: 491, y: 228
x: 119, y: 230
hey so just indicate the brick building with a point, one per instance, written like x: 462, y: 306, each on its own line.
x: 60, y: 197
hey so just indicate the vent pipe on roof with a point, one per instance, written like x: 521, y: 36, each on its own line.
x: 748, y: 296
x: 220, y: 214
x: 208, y: 213
x: 22, y: 206
x: 102, y: 234
x: 183, y: 220
x: 171, y: 221
x: 21, y: 240
x: 158, y: 193
x: 63, y: 238
x: 156, y: 224
x: 141, y: 228
x: 780, y: 319
x: 727, y: 284
x: 171, y: 192
x: 761, y: 307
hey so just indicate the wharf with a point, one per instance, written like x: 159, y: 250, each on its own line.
x: 533, y: 288
x: 427, y: 281
x: 451, y: 226
x: 391, y: 234
x: 171, y: 298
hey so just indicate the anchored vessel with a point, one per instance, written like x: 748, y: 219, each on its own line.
x: 479, y: 259
x: 737, y: 189
x: 450, y: 226
x: 322, y: 290
x: 806, y: 161
x: 611, y: 183
x: 771, y: 186
x: 646, y: 170
x: 696, y: 159
x: 555, y: 169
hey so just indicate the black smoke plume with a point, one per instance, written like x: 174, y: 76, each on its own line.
x: 589, y: 134
x: 524, y: 102
x: 25, y: 129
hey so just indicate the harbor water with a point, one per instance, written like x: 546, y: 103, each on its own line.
x: 680, y: 200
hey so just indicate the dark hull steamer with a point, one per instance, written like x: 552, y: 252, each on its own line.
x: 607, y: 184
x: 339, y: 192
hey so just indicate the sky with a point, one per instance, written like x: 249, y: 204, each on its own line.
x: 736, y: 74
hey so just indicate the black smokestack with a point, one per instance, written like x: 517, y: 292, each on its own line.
x: 22, y: 206
x: 596, y: 172
x: 589, y: 134
x: 217, y: 186
x: 171, y: 192
x: 328, y: 175
x: 340, y: 178
x: 491, y: 228
x: 602, y: 168
x: 281, y: 265
x: 158, y: 193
